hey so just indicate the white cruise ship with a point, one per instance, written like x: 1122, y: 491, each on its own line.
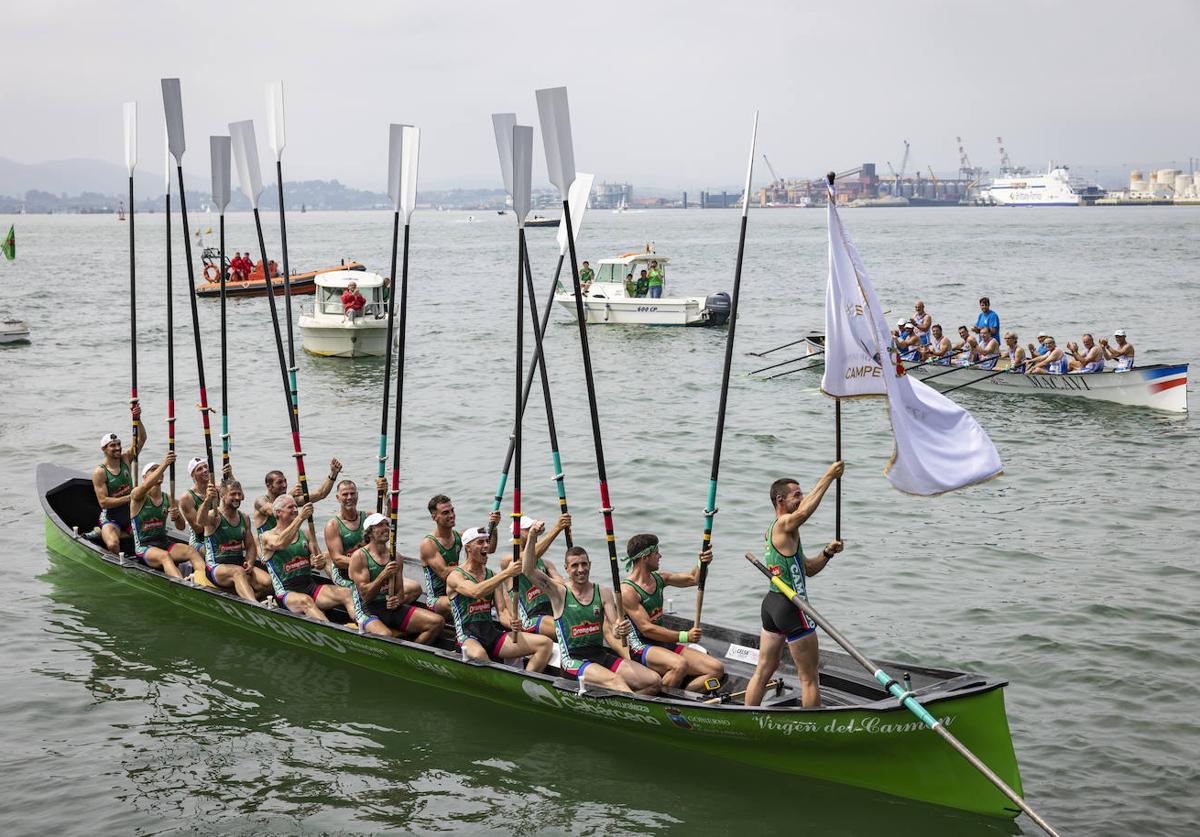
x: 1054, y: 188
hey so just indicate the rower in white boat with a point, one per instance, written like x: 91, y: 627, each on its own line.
x: 329, y: 328
x: 1122, y: 353
x: 609, y: 300
x: 1091, y: 359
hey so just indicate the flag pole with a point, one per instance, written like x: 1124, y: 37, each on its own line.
x: 130, y: 118
x: 710, y: 510
x: 219, y: 150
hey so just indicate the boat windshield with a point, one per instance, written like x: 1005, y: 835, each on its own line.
x: 329, y: 301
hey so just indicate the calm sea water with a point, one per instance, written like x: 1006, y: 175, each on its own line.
x: 1074, y: 576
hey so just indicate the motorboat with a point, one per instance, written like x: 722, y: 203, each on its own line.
x: 14, y: 331
x: 326, y: 330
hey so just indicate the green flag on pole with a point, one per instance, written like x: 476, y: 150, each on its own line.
x: 10, y: 244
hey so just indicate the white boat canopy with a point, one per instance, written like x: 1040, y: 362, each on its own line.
x: 614, y: 270
x: 341, y: 279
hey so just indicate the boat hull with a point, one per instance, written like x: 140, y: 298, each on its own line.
x: 665, y: 311
x: 345, y: 340
x: 303, y: 284
x: 14, y: 331
x: 875, y: 745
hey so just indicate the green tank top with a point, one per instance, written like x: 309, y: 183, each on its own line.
x: 290, y: 568
x: 435, y: 586
x: 652, y: 602
x: 374, y: 568
x: 466, y: 609
x: 530, y: 595
x: 655, y: 278
x: 788, y: 568
x: 351, y: 538
x: 150, y: 523
x: 586, y: 275
x: 120, y: 483
x: 581, y: 625
x: 227, y: 543
x: 195, y: 538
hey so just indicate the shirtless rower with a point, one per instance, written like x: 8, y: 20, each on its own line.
x: 344, y: 532
x: 1053, y: 362
x: 922, y: 322
x: 533, y: 605
x: 1122, y: 353
x: 938, y: 349
x: 1091, y: 359
x: 1016, y: 353
x: 642, y: 598
x: 473, y: 589
x: 987, y: 350
x: 290, y: 559
x: 277, y: 486
x: 149, y: 509
x: 441, y: 550
x: 782, y: 622
x: 585, y: 616
x: 376, y: 609
x: 113, y: 482
x: 230, y: 546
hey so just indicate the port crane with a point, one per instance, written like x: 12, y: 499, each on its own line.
x: 896, y: 178
x: 775, y: 178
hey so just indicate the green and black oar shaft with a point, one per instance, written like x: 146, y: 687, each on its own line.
x: 170, y: 325
x: 380, y: 491
x: 710, y: 510
x: 277, y: 139
x: 173, y: 104
x: 130, y: 119
x: 219, y: 149
x: 900, y: 693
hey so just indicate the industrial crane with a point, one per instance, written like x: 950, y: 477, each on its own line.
x: 775, y: 178
x: 896, y: 178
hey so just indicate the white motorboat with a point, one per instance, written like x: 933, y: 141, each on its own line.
x: 14, y: 331
x: 325, y: 330
x: 609, y: 300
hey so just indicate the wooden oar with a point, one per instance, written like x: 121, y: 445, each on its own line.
x: 219, y: 150
x: 173, y: 104
x: 786, y: 362
x: 130, y: 119
x: 277, y: 137
x: 395, y: 154
x: 777, y: 348
x: 954, y: 369
x: 898, y: 691
x: 710, y: 509
x: 555, y: 118
x: 790, y: 371
x: 170, y: 322
x: 977, y: 380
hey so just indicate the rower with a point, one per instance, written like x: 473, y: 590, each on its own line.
x: 585, y: 616
x: 987, y: 350
x: 938, y: 349
x: 149, y: 508
x: 1053, y: 362
x: 922, y: 322
x: 1041, y: 345
x: 473, y: 589
x: 277, y: 486
x: 533, y: 605
x: 441, y: 550
x: 376, y: 609
x: 231, y: 549
x: 642, y: 597
x: 112, y: 483
x: 344, y: 533
x: 1016, y: 354
x: 192, y: 499
x: 784, y: 556
x: 962, y: 350
x: 1088, y: 361
x: 1122, y: 353
x: 290, y: 559
x: 907, y: 342
x: 987, y: 317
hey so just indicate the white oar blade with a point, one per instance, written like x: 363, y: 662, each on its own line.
x: 395, y: 162
x: 581, y: 191
x: 522, y: 171
x: 502, y: 124
x: 555, y: 116
x: 130, y: 112
x: 173, y: 108
x: 408, y: 170
x: 276, y: 127
x: 245, y: 157
x: 750, y: 167
x: 219, y: 148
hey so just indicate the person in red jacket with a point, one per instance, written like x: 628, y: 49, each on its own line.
x: 237, y: 270
x: 353, y: 302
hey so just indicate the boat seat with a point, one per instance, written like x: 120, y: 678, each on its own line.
x: 786, y: 696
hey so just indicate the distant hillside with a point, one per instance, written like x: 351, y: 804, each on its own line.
x: 75, y: 177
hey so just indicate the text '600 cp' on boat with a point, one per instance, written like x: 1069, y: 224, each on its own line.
x: 613, y: 298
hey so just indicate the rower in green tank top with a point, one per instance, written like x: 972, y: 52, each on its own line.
x: 112, y: 483
x: 290, y: 558
x: 344, y: 533
x: 533, y: 606
x: 782, y: 622
x: 277, y: 485
x: 231, y: 550
x: 377, y: 608
x: 150, y: 509
x: 441, y: 550
x: 192, y: 499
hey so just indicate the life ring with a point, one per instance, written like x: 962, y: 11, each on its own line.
x: 214, y: 276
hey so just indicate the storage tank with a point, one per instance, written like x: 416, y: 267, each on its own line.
x: 1183, y: 185
x: 1137, y: 183
x: 1166, y: 177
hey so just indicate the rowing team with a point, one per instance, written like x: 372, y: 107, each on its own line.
x: 983, y: 350
x: 619, y: 645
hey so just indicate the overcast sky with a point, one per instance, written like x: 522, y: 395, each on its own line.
x: 661, y: 92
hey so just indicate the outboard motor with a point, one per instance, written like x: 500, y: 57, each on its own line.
x: 716, y: 308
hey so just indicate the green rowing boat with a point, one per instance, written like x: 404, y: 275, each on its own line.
x: 861, y: 737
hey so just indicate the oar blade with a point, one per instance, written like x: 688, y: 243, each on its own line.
x: 173, y: 108
x: 408, y: 170
x: 522, y: 171
x: 395, y: 163
x: 580, y: 194
x: 130, y: 121
x: 276, y: 127
x: 219, y: 150
x: 245, y: 157
x: 502, y: 125
x: 554, y: 114
x: 750, y: 167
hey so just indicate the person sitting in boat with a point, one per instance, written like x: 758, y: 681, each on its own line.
x: 237, y: 268
x: 353, y: 302
x: 987, y: 318
x: 939, y: 348
x: 987, y: 349
x: 149, y: 509
x: 533, y: 606
x: 1053, y: 362
x: 192, y: 499
x: 643, y: 285
x: 112, y: 483
x: 782, y: 622
x: 344, y: 533
x: 962, y: 350
x: 290, y: 559
x: 1122, y: 353
x: 441, y: 550
x: 922, y: 322
x: 1040, y: 349
x: 585, y: 616
x: 586, y: 276
x: 907, y: 342
x: 1016, y: 354
x: 377, y: 608
x: 230, y: 549
x: 1091, y: 359
x: 642, y: 600
x: 654, y: 280
x: 473, y: 590
x: 277, y: 486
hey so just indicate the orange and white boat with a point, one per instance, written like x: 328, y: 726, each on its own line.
x: 256, y: 283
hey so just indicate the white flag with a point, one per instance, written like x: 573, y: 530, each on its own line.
x: 939, y: 445
x: 853, y: 367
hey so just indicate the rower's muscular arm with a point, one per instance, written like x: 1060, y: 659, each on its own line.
x: 792, y: 522
x: 641, y: 619
x: 550, y: 586
x: 561, y: 525
x: 101, y: 488
x: 687, y: 579
x: 459, y: 583
x: 431, y: 557
x: 283, y: 535
x: 333, y: 545
x: 321, y: 493
x: 138, y: 495
x: 613, y: 634
x: 815, y: 563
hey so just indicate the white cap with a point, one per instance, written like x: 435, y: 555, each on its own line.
x: 374, y: 519
x: 901, y: 323
x: 1042, y: 334
x: 472, y: 535
x: 526, y: 522
x: 148, y: 467
x: 108, y: 438
x: 195, y: 463
x: 1120, y: 332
